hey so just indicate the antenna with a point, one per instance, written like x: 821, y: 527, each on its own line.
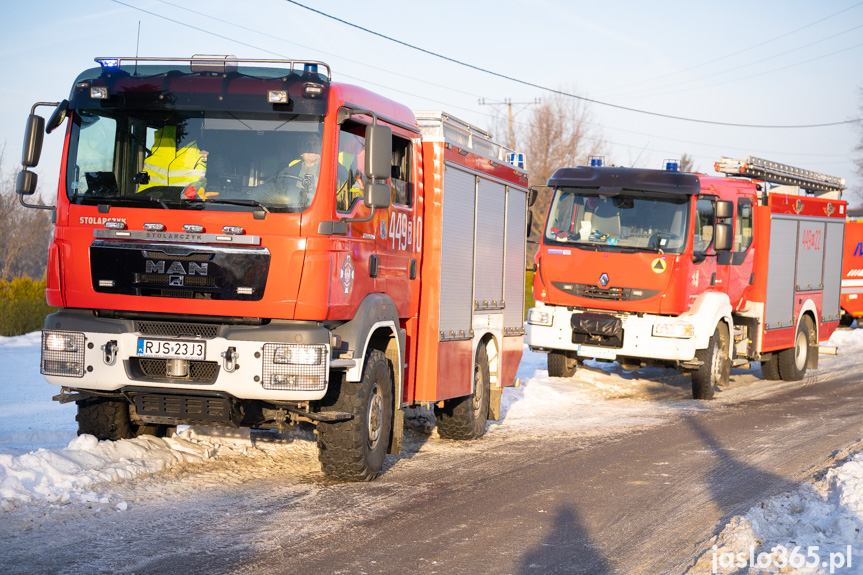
x: 137, y: 47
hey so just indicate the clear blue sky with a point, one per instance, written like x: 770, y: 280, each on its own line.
x: 771, y: 62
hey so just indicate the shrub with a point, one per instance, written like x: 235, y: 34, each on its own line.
x: 22, y: 306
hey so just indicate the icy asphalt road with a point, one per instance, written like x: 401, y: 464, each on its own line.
x: 608, y: 472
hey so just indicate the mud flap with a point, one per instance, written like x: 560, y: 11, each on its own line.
x: 494, y: 403
x: 397, y: 433
x: 812, y: 357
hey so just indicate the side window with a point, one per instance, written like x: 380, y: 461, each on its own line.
x: 401, y: 184
x: 743, y: 231
x: 352, y: 158
x: 704, y: 222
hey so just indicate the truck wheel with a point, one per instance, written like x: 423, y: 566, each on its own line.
x: 560, y: 364
x: 111, y: 419
x: 466, y: 417
x: 105, y: 418
x: 770, y: 367
x: 846, y: 319
x: 716, y: 367
x: 354, y: 450
x: 792, y: 362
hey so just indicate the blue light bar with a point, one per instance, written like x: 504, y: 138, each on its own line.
x: 109, y: 62
x: 672, y: 166
x: 596, y: 162
x: 516, y: 160
x: 310, y: 68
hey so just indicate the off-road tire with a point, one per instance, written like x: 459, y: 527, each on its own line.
x: 105, y: 418
x: 466, y: 417
x: 716, y: 367
x: 770, y: 368
x: 793, y: 361
x: 111, y: 419
x: 354, y: 450
x: 560, y: 364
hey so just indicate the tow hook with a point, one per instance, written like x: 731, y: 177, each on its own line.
x: 109, y: 352
x: 230, y: 359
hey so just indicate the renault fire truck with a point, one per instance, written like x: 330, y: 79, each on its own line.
x: 691, y: 271
x: 852, y: 269
x: 248, y: 243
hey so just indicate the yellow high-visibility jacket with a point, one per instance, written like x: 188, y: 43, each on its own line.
x: 168, y: 166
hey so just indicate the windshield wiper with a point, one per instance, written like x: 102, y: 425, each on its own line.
x: 643, y: 249
x: 111, y: 200
x: 234, y: 202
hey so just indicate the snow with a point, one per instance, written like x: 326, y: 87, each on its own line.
x: 814, y: 529
x: 44, y: 462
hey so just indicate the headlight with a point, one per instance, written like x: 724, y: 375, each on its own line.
x: 57, y: 341
x: 678, y: 329
x: 294, y: 367
x: 297, y: 355
x: 538, y: 317
x: 63, y: 353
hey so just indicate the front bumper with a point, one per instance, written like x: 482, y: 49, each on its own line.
x: 280, y: 361
x: 638, y: 339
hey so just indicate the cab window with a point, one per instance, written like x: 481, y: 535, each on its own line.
x: 352, y: 157
x: 705, y: 221
x: 743, y: 229
x: 401, y: 184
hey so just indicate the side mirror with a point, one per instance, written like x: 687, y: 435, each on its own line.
x: 379, y: 152
x: 723, y: 237
x: 57, y: 116
x: 33, y: 135
x: 377, y: 195
x: 529, y: 223
x: 25, y: 184
x: 724, y: 209
x: 531, y: 197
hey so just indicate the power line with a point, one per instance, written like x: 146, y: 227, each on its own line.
x: 735, y: 70
x: 747, y: 49
x: 560, y: 92
x: 426, y: 97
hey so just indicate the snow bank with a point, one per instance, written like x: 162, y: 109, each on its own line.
x: 817, y: 528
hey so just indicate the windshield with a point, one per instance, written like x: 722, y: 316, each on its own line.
x: 183, y: 159
x: 626, y: 220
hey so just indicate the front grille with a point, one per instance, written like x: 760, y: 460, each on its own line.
x: 170, y: 329
x: 608, y: 294
x: 165, y: 280
x: 612, y: 294
x: 156, y: 369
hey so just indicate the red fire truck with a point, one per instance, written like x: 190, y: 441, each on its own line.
x: 247, y: 243
x: 689, y: 271
x: 852, y: 269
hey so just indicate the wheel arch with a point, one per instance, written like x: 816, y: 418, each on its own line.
x: 708, y: 311
x: 493, y: 352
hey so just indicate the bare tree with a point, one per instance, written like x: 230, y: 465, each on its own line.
x: 27, y: 232
x: 560, y: 133
x: 686, y: 164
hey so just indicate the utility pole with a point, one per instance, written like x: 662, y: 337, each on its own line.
x: 510, y: 139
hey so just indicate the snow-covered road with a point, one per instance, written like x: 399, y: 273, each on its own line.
x: 43, y: 465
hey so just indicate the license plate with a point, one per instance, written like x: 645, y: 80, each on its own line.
x: 166, y: 349
x: 596, y: 352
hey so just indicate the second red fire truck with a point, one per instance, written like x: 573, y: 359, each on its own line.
x: 689, y: 271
